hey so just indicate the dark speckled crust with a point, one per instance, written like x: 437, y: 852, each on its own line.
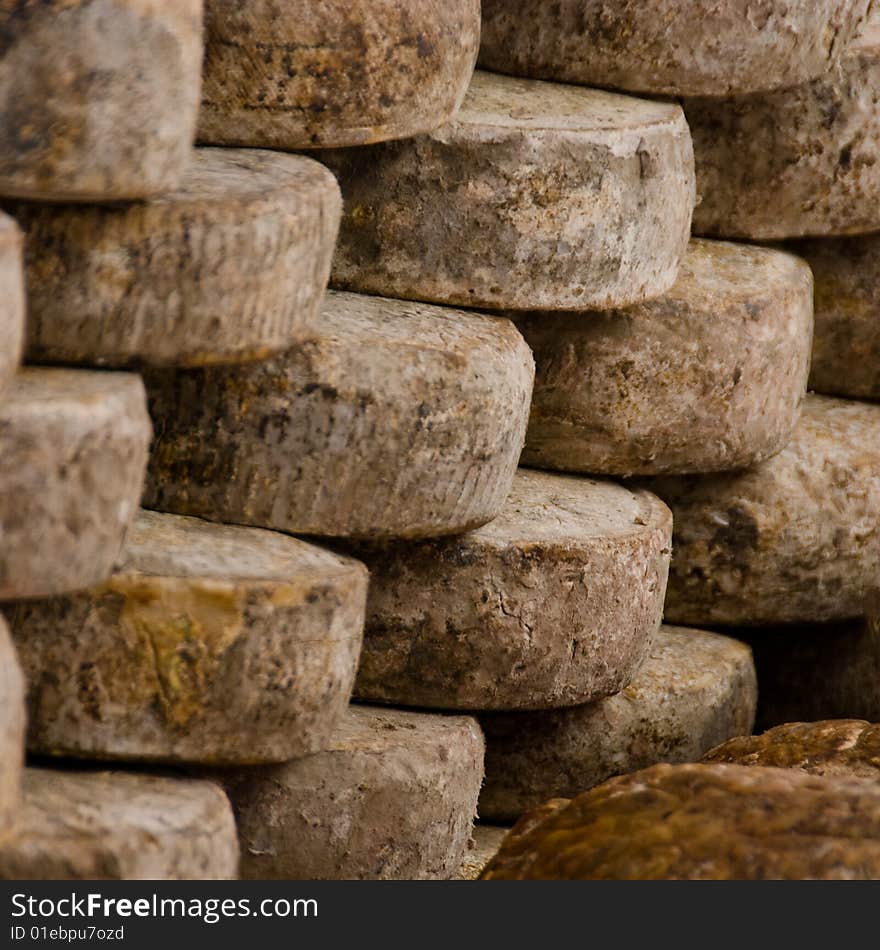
x: 794, y: 539
x: 674, y: 47
x: 12, y: 301
x: 706, y: 378
x: 554, y: 603
x: 846, y: 342
x: 794, y: 162
x: 846, y: 748
x: 703, y: 822
x: 329, y: 73
x: 12, y: 725
x: 98, y: 98
x: 534, y: 195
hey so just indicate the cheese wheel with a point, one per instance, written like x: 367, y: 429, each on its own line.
x: 230, y: 266
x: 392, y: 798
x: 670, y: 47
x: 12, y: 726
x: 207, y: 644
x: 394, y: 420
x: 73, y: 452
x: 694, y: 690
x: 534, y: 196
x: 99, y: 97
x: 554, y: 603
x: 78, y: 826
x: 708, y: 377
x: 12, y: 301
x: 791, y: 540
x: 333, y: 72
x: 483, y: 846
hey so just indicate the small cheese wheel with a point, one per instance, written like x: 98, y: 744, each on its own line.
x: 12, y: 726
x: 333, y: 72
x: 846, y: 342
x: 73, y: 453
x: 791, y: 540
x: 708, y: 377
x: 99, y: 97
x: 793, y: 162
x: 12, y: 305
x: 703, y: 822
x: 395, y: 420
x: 694, y: 690
x: 670, y: 47
x: 78, y: 826
x: 393, y: 798
x: 230, y: 266
x: 554, y: 603
x: 209, y: 643
x: 534, y: 195
x: 848, y: 748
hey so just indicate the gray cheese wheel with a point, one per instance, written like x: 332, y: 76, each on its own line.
x: 230, y: 266
x: 99, y: 97
x: 671, y: 47
x: 12, y: 301
x: 554, y: 603
x: 395, y: 420
x: 791, y: 540
x: 393, y: 798
x: 793, y: 162
x: 333, y: 72
x: 12, y: 726
x: 694, y: 690
x: 120, y: 826
x: 209, y: 643
x: 73, y: 453
x: 534, y: 195
x: 708, y: 377
x: 846, y: 342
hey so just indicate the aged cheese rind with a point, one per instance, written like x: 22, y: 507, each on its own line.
x: 393, y: 798
x: 73, y: 452
x: 554, y: 603
x: 693, y: 48
x: 12, y: 726
x: 79, y: 826
x: 330, y: 73
x: 791, y: 540
x: 703, y: 822
x: 395, y: 420
x: 12, y: 300
x: 230, y: 266
x: 793, y: 162
x: 209, y: 643
x: 534, y: 196
x: 99, y: 97
x: 708, y: 377
x: 694, y: 690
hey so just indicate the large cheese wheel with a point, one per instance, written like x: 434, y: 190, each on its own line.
x: 12, y: 725
x: 703, y: 822
x: 12, y: 301
x: 793, y: 539
x: 395, y: 420
x: 208, y: 644
x: 73, y: 452
x: 793, y: 162
x: 534, y: 195
x: 392, y: 798
x: 553, y: 603
x: 846, y: 341
x: 708, y: 377
x: 230, y: 266
x: 694, y: 690
x: 672, y: 47
x: 98, y: 98
x: 333, y: 72
x: 120, y: 826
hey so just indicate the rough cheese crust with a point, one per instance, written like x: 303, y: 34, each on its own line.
x: 329, y: 73
x: 12, y: 301
x: 12, y: 726
x: 99, y: 97
x: 535, y: 195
